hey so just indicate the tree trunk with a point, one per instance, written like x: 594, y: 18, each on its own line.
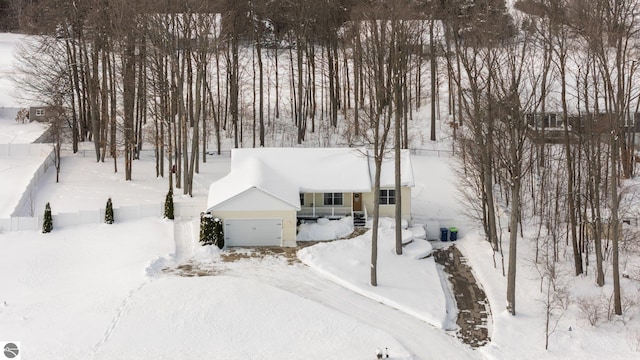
x: 513, y: 241
x: 614, y: 225
x: 128, y: 97
x: 577, y: 256
x: 432, y: 62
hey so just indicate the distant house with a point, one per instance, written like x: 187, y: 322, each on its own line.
x: 600, y: 123
x: 549, y: 127
x: 39, y: 113
x: 270, y: 189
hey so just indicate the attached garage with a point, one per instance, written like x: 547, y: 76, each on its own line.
x: 256, y: 207
x: 256, y: 218
x: 253, y: 232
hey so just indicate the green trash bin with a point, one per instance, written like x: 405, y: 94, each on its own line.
x: 453, y: 234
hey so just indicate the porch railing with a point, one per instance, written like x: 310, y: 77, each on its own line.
x: 320, y: 211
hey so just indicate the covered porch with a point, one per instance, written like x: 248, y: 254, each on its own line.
x: 331, y: 205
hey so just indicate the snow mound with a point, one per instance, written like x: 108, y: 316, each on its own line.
x: 325, y: 229
x: 387, y: 223
x: 418, y: 231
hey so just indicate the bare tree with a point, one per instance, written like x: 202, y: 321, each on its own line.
x: 383, y: 39
x: 513, y: 98
x: 609, y: 28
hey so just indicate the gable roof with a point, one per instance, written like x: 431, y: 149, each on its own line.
x: 253, y: 174
x: 313, y: 169
x: 284, y: 173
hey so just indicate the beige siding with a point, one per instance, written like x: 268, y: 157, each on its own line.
x: 389, y: 210
x: 367, y: 201
x: 406, y: 203
x: 289, y: 221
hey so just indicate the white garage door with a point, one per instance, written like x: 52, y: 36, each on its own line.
x: 253, y: 232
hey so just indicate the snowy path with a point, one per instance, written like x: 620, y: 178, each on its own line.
x: 421, y: 339
x: 184, y: 235
x: 116, y: 319
x: 474, y: 311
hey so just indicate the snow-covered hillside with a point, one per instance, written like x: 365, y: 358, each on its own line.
x: 146, y: 289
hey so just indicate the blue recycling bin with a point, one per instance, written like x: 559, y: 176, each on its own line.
x: 444, y: 234
x: 453, y: 234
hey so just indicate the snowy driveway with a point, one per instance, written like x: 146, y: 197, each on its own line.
x: 422, y: 340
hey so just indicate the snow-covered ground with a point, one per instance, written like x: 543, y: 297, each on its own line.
x: 8, y: 47
x: 99, y: 283
x: 82, y: 187
x: 13, y: 132
x: 84, y: 292
x: 65, y: 290
x: 97, y: 291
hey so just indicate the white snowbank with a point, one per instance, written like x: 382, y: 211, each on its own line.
x: 325, y: 229
x: 408, y: 282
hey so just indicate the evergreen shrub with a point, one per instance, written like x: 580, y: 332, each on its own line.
x: 218, y: 233
x: 211, y: 231
x: 168, y: 205
x: 47, y: 222
x: 206, y: 229
x: 108, y: 212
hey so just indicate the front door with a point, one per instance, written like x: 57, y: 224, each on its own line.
x: 357, y: 201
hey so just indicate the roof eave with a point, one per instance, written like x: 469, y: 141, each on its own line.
x: 213, y: 207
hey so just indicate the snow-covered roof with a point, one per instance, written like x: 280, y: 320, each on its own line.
x: 313, y: 169
x: 286, y: 172
x: 387, y: 176
x: 250, y: 174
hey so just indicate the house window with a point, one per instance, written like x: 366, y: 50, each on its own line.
x: 548, y: 120
x: 387, y: 197
x: 333, y: 199
x: 301, y: 199
x: 551, y: 120
x: 39, y: 112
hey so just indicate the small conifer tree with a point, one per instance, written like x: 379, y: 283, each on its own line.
x: 218, y: 233
x: 211, y: 231
x: 108, y: 212
x: 47, y: 223
x: 206, y: 229
x: 168, y: 205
